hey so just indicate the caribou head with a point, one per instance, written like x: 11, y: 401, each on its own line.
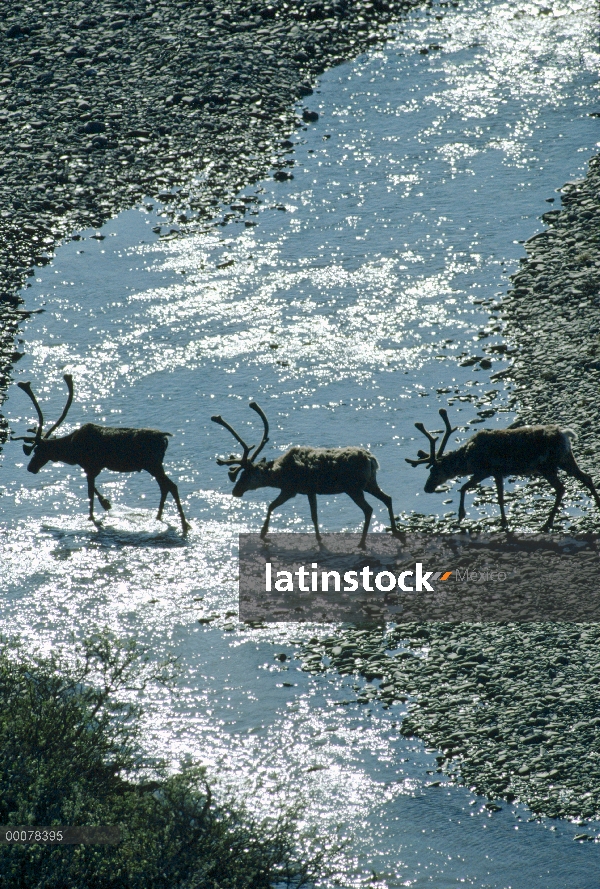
x: 42, y: 445
x: 252, y: 473
x: 438, y: 471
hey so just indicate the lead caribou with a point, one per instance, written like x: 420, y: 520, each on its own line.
x: 95, y: 448
x: 305, y: 470
x: 527, y: 450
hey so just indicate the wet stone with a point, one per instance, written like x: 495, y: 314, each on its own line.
x: 515, y: 740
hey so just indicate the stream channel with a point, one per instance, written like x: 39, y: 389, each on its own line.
x: 344, y: 301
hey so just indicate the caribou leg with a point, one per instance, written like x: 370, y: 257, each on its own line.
x: 472, y: 483
x: 104, y: 502
x: 91, y: 478
x: 164, y: 490
x: 167, y: 486
x: 282, y: 498
x: 312, y: 499
x: 500, y: 488
x: 553, y: 479
x: 376, y: 491
x: 571, y: 468
x: 359, y: 499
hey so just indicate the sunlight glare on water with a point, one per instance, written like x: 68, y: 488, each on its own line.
x: 344, y: 305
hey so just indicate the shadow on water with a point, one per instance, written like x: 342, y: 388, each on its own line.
x: 111, y: 536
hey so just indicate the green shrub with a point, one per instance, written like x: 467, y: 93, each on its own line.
x: 70, y: 755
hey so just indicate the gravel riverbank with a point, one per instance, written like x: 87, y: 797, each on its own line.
x: 102, y: 106
x: 553, y: 317
x: 512, y: 709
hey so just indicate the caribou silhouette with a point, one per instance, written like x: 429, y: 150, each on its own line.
x: 95, y: 448
x: 526, y: 450
x: 306, y: 470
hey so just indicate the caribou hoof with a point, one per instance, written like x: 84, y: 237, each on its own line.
x: 105, y: 504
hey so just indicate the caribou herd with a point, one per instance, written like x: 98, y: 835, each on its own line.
x: 522, y: 451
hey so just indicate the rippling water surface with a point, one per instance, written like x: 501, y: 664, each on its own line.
x: 344, y: 305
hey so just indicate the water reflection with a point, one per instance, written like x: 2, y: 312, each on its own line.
x: 346, y: 311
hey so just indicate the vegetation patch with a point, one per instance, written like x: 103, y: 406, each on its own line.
x: 70, y: 755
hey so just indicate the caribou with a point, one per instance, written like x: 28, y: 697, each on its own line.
x: 95, y: 448
x: 523, y: 451
x: 306, y: 470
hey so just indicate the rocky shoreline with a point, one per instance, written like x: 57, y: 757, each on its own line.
x: 102, y: 106
x: 553, y: 316
x: 512, y: 709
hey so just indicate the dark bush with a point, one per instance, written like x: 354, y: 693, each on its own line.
x: 70, y: 755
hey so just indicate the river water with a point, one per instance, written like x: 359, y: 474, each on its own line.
x: 344, y: 301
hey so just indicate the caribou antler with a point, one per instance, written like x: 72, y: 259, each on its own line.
x: 69, y: 381
x: 247, y: 459
x: 31, y: 442
x: 447, y: 434
x: 265, y: 437
x: 247, y: 448
x: 37, y: 433
x: 432, y: 458
x: 237, y: 463
x: 432, y: 441
x: 33, y: 439
x: 26, y: 387
x: 423, y: 456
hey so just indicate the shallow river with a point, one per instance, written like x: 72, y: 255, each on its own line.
x: 345, y: 310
